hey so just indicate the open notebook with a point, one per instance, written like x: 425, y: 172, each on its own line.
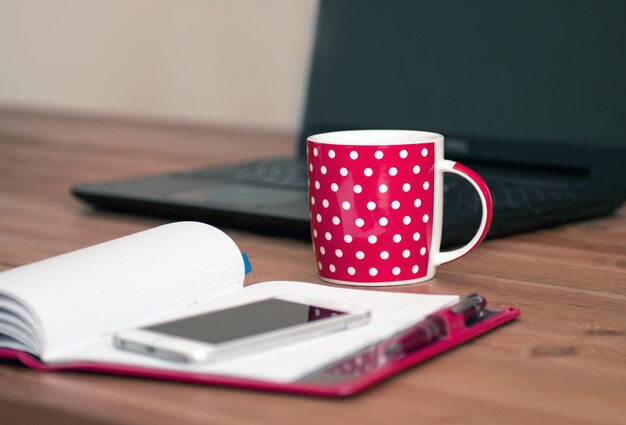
x: 61, y: 313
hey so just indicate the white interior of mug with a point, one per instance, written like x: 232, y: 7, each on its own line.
x: 375, y: 137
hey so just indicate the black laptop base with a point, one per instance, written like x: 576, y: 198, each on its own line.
x: 283, y: 211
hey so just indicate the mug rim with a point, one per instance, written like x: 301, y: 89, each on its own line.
x: 375, y: 137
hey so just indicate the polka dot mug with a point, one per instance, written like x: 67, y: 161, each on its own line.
x: 376, y: 201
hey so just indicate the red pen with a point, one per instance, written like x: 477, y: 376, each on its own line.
x: 434, y: 327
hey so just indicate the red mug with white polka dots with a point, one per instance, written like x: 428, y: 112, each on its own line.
x: 376, y: 201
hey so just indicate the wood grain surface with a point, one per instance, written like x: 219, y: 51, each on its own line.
x: 562, y: 362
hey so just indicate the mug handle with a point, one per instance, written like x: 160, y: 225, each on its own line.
x: 487, y: 207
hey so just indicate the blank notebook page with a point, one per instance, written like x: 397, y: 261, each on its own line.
x: 391, y: 312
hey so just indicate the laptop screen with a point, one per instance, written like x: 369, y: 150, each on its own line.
x: 493, y: 76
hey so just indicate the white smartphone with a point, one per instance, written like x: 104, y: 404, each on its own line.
x: 240, y: 330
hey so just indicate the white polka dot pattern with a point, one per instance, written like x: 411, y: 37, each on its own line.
x: 371, y: 220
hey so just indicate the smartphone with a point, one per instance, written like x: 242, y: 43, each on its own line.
x: 240, y: 330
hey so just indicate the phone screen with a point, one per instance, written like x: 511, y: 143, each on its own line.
x: 244, y: 321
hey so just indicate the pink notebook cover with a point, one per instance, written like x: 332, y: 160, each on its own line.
x: 348, y: 376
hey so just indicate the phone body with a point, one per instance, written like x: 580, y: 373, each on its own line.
x: 241, y: 329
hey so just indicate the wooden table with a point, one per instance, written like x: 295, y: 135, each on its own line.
x: 562, y: 362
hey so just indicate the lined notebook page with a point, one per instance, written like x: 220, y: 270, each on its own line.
x: 391, y: 312
x: 125, y: 282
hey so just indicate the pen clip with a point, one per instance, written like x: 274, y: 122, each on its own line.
x: 470, y: 307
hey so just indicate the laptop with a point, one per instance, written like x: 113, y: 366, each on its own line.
x: 530, y: 94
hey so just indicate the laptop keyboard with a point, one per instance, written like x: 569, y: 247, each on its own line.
x: 284, y: 172
x: 506, y: 196
x: 287, y: 173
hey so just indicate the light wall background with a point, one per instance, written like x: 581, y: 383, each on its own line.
x: 228, y: 62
